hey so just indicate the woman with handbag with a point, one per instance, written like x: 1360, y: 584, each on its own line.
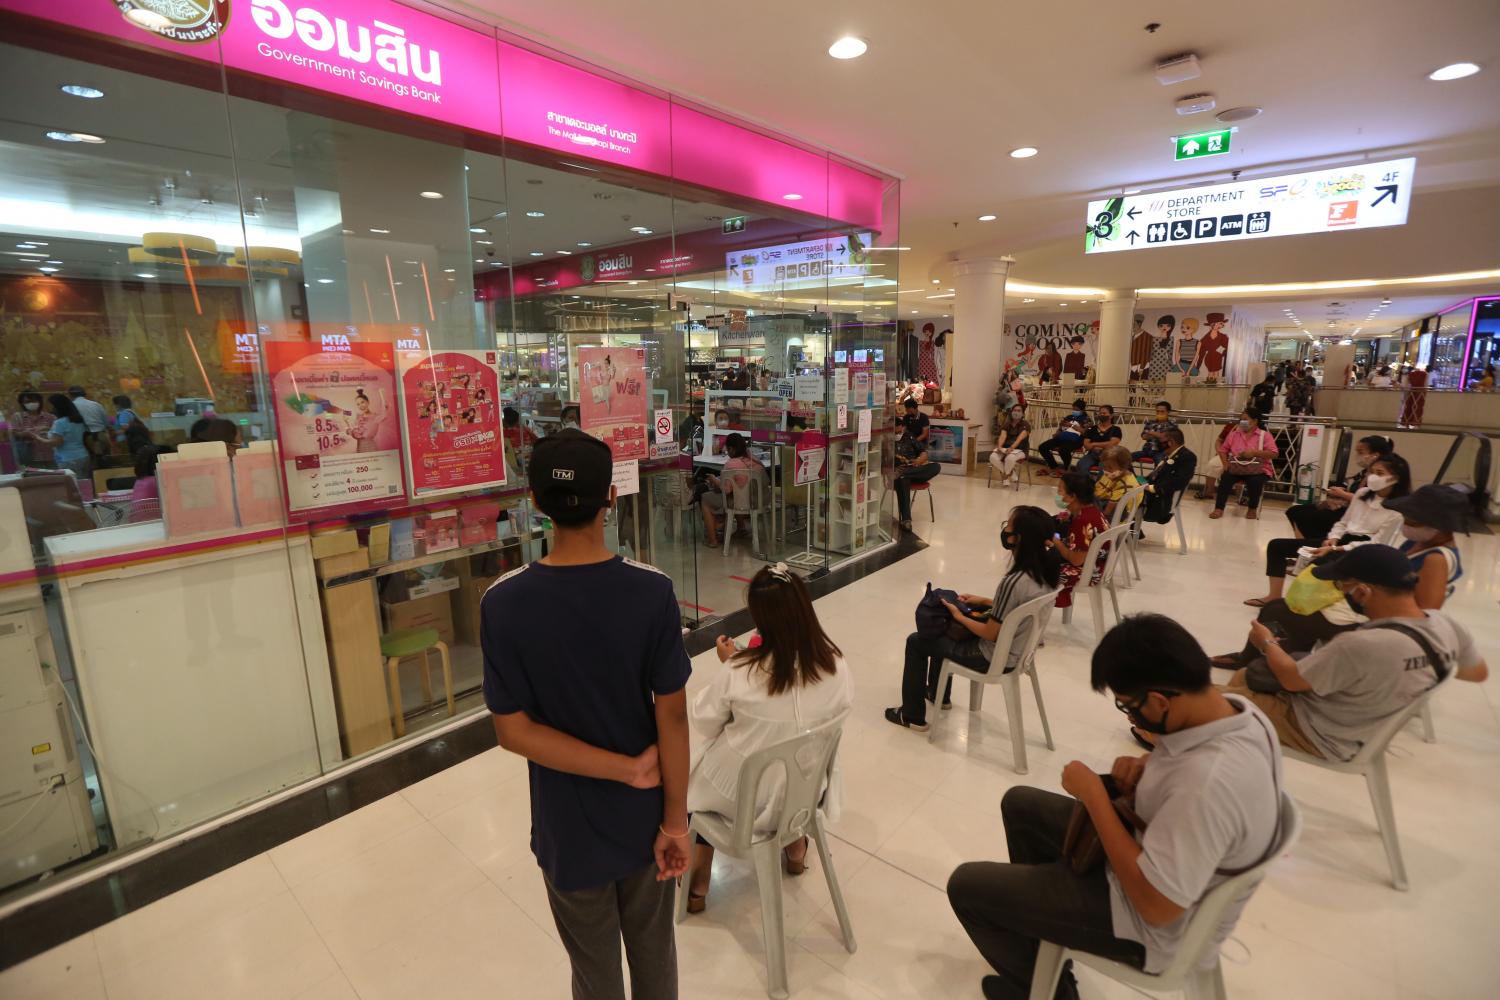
x: 1246, y: 451
x: 1365, y: 519
x: 1035, y: 570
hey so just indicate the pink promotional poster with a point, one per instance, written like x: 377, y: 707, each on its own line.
x: 450, y: 413
x: 337, y: 424
x: 613, y: 398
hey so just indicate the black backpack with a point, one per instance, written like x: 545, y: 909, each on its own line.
x: 932, y: 618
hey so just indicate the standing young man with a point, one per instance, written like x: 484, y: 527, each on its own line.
x: 584, y: 670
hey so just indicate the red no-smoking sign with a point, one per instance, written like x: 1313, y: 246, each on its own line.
x: 663, y: 426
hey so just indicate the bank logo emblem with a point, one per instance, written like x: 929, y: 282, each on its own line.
x: 188, y: 21
x: 586, y: 267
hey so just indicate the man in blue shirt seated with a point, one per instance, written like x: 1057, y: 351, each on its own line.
x: 1068, y: 439
x: 584, y: 670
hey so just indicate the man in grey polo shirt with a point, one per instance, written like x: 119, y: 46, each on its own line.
x: 1337, y: 696
x: 1209, y: 795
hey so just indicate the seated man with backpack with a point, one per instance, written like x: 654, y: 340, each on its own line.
x: 1209, y: 796
x: 1331, y: 701
x: 912, y: 466
x: 1067, y: 440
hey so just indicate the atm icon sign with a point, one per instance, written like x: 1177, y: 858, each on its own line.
x: 1232, y: 225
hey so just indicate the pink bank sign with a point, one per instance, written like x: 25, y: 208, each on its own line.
x: 384, y: 53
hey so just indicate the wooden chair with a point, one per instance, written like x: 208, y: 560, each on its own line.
x: 397, y: 646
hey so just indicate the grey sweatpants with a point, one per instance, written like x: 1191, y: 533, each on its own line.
x: 592, y: 923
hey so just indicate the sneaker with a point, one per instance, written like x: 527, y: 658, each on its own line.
x: 895, y: 718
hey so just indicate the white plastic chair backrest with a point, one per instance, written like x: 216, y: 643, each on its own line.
x: 1114, y: 535
x: 807, y: 760
x: 1382, y: 736
x: 1038, y: 611
x: 1127, y: 506
x: 1203, y: 926
x: 750, y: 489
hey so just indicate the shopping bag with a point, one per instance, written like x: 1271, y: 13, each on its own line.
x: 1308, y: 595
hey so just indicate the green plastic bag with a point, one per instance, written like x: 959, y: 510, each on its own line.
x: 1308, y: 595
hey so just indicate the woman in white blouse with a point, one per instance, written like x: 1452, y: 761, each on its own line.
x: 794, y: 680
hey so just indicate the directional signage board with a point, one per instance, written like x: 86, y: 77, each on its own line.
x: 1363, y: 196
x: 831, y: 257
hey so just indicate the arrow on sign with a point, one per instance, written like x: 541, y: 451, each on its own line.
x: 1132, y: 236
x: 1190, y: 147
x: 1386, y: 191
x: 1132, y: 213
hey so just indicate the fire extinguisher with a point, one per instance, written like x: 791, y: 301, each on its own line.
x: 1307, y: 489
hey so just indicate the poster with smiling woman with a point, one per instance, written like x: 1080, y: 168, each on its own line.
x: 613, y: 398
x: 450, y: 417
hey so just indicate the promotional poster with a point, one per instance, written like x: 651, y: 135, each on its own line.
x: 613, y: 398
x: 337, y: 424
x: 450, y: 414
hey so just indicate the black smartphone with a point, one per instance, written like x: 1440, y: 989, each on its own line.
x: 1276, y: 629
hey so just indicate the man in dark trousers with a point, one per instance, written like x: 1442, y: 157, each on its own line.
x: 584, y: 670
x: 1169, y: 476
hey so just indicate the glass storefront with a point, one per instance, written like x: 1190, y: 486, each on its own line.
x: 288, y: 298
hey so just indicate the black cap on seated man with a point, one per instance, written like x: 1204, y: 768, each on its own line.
x: 1377, y: 565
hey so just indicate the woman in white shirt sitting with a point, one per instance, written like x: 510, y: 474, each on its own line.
x: 1365, y: 519
x: 793, y: 681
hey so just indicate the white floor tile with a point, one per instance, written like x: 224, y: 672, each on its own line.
x: 316, y: 851
x: 70, y: 970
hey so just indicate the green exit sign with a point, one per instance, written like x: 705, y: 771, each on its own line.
x: 1192, y: 147
x: 734, y: 224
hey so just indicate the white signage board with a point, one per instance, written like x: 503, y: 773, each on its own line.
x: 627, y: 477
x: 830, y: 257
x: 841, y: 385
x: 664, y: 427
x: 808, y: 389
x: 843, y: 415
x: 865, y: 418
x: 1362, y: 196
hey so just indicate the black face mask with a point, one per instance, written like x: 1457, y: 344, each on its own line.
x: 1357, y: 606
x: 1133, y: 713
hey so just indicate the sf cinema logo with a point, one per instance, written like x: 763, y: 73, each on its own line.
x: 188, y: 21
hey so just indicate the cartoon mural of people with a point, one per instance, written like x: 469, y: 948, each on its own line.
x: 1185, y: 347
x: 1213, y: 349
x: 1075, y: 362
x: 1140, y: 349
x: 1050, y: 364
x: 928, y: 369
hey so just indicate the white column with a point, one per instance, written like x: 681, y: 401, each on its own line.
x: 978, y: 341
x: 1112, y: 354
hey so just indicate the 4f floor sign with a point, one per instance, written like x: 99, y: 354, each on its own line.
x: 1362, y: 196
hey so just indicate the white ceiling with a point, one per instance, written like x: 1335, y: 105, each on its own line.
x: 949, y: 87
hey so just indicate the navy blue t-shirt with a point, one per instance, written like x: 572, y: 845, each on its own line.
x: 583, y: 649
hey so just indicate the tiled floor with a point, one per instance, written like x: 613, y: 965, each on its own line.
x: 432, y: 891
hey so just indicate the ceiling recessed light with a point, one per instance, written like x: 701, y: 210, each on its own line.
x: 449, y: 270
x: 58, y: 136
x: 536, y: 253
x: 535, y: 214
x: 477, y: 229
x: 646, y: 232
x: 433, y: 195
x: 57, y: 262
x: 143, y: 274
x: 46, y: 270
x: 585, y: 244
x: 485, y: 243
x: 566, y: 253
x: 1243, y: 114
x: 791, y: 196
x: 1454, y: 71
x: 1062, y: 303
x: 325, y: 281
x: 347, y: 232
x: 1131, y: 191
x: 936, y: 281
x: 987, y: 218
x: 1023, y: 152
x: 913, y: 312
x: 382, y: 232
x: 848, y: 47
x: 1024, y: 301
x: 79, y: 90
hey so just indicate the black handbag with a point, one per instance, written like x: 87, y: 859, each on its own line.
x: 933, y: 618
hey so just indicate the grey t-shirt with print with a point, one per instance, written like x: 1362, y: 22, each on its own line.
x: 1360, y: 678
x: 1015, y: 589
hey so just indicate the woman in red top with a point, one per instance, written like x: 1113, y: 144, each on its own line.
x: 1077, y: 526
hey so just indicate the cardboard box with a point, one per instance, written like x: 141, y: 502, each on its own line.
x: 435, y: 611
x: 335, y: 543
x: 412, y: 584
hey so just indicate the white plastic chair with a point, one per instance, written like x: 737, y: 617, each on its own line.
x: 807, y: 760
x: 1095, y: 591
x: 748, y: 499
x: 1129, y: 510
x: 1183, y: 973
x: 1370, y: 762
x: 672, y: 492
x: 1038, y: 612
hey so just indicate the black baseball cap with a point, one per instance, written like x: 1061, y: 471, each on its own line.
x: 570, y: 474
x: 1440, y: 507
x: 1378, y: 565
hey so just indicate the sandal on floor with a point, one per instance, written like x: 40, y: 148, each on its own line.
x: 1257, y: 602
x: 1135, y: 734
x: 1216, y: 513
x: 1253, y: 514
x: 696, y: 903
x: 894, y: 716
x: 793, y: 867
x: 1225, y: 661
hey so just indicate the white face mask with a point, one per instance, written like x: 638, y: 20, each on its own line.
x: 1244, y: 425
x: 1417, y: 533
x: 1378, y: 482
x: 1363, y: 461
x: 33, y: 407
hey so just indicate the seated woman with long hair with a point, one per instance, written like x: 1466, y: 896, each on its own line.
x: 794, y: 680
x: 1035, y: 571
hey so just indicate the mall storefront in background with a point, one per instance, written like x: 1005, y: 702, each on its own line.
x: 393, y: 247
